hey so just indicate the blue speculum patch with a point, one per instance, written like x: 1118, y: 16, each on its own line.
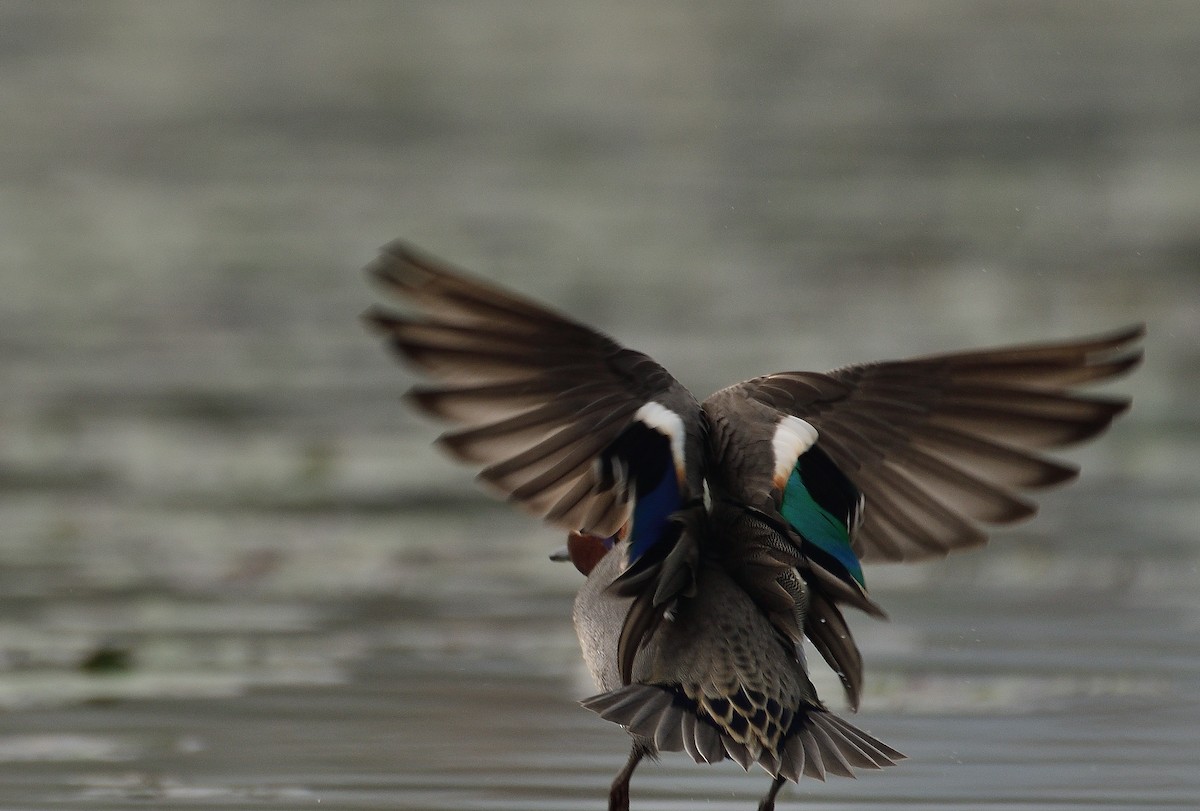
x: 651, y: 513
x: 646, y: 454
x: 815, y: 495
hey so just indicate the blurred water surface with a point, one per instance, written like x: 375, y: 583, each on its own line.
x: 234, y: 574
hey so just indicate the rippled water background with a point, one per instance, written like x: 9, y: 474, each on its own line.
x: 233, y: 573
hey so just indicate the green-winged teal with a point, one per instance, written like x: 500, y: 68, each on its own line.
x: 717, y: 536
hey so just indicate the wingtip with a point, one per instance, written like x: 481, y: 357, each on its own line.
x: 1119, y: 353
x: 423, y: 399
x: 1134, y: 331
x: 376, y: 319
x: 383, y: 269
x: 1118, y: 338
x: 397, y: 246
x: 400, y: 266
x: 1123, y: 364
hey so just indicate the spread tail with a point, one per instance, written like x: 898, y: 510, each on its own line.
x: 815, y: 742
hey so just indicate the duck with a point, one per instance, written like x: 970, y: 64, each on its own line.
x: 719, y: 536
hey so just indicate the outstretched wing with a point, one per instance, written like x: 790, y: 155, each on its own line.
x: 902, y: 460
x: 939, y: 445
x: 563, y: 420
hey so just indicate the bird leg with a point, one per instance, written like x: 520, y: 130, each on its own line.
x: 618, y: 795
x: 768, y: 802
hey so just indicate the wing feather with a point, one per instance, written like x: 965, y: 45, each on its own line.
x: 939, y: 445
x: 537, y: 398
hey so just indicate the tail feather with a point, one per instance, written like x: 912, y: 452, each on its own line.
x: 688, y: 733
x: 880, y: 754
x: 668, y: 735
x: 836, y: 761
x: 816, y: 743
x: 814, y: 764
